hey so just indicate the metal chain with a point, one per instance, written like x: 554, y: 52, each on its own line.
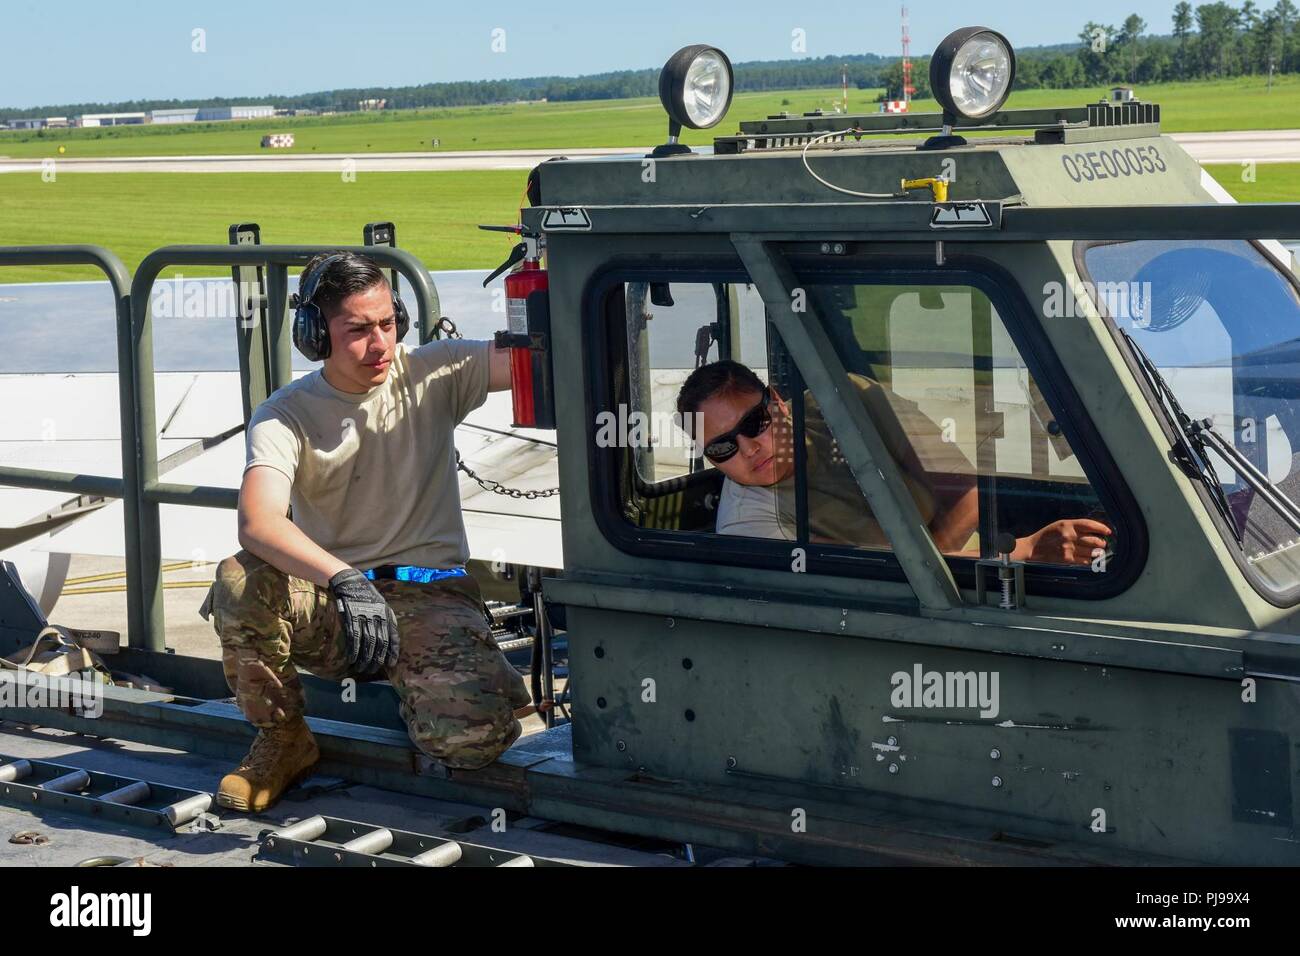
x: 487, y: 484
x: 448, y: 327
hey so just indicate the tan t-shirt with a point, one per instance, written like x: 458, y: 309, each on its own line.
x: 374, y: 474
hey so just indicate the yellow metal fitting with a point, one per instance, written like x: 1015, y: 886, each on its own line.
x: 938, y: 187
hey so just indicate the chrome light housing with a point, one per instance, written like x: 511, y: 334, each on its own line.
x: 971, y: 72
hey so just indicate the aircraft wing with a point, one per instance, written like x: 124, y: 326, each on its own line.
x: 499, y: 528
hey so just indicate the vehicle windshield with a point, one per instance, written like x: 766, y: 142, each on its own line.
x: 1221, y: 322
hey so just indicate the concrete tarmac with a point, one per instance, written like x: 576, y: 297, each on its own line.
x: 1259, y: 146
x: 315, y: 162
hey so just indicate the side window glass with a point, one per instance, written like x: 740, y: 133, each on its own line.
x: 672, y: 329
x: 838, y: 513
x: 979, y: 448
x: 662, y: 332
x: 1217, y: 320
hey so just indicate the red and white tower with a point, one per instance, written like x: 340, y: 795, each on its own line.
x: 908, y: 88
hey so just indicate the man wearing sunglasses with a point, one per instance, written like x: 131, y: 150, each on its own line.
x: 746, y: 432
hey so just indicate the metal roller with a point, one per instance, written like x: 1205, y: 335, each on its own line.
x: 444, y: 855
x: 310, y: 829
x: 376, y: 841
x: 372, y: 845
x: 131, y: 793
x: 183, y: 811
x: 15, y: 771
x: 73, y: 782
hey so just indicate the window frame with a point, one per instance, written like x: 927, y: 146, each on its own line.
x: 1279, y: 599
x: 1012, y: 308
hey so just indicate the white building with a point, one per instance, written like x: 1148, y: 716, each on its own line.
x: 186, y: 114
x: 209, y: 113
x: 111, y: 119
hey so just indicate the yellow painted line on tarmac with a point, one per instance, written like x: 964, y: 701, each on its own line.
x: 119, y: 588
x: 111, y: 575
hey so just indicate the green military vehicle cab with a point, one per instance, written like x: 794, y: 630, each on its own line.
x: 1148, y: 701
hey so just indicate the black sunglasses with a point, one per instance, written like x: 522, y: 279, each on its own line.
x: 752, y: 424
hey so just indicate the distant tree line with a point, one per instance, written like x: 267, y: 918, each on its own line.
x: 1213, y: 40
x: 1207, y: 41
x: 864, y: 71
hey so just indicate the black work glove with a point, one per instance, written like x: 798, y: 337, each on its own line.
x: 369, y: 622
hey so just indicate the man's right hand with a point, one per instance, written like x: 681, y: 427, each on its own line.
x: 368, y: 621
x: 1076, y: 541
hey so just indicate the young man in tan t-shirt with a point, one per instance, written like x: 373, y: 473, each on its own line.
x: 367, y: 580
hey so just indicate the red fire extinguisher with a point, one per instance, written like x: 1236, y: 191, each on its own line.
x: 527, y: 344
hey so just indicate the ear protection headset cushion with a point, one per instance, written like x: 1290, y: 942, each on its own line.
x: 403, y: 318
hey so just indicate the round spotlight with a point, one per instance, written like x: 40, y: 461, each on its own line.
x: 971, y: 72
x: 695, y: 86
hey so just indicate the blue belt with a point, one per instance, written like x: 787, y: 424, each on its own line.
x: 411, y: 572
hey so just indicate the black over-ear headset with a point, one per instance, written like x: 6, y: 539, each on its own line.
x: 310, y: 330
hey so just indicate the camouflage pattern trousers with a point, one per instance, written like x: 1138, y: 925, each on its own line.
x: 458, y: 693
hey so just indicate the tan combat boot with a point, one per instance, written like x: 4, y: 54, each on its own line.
x: 278, y: 759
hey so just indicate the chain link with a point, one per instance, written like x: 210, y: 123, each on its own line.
x: 488, y: 484
x: 448, y: 327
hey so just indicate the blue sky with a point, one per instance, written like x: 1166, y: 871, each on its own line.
x: 64, y: 51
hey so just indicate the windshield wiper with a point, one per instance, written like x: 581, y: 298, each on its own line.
x: 1198, y: 435
x: 1190, y: 438
x: 1270, y: 492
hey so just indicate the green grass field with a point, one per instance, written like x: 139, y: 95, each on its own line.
x: 1242, y: 103
x: 135, y: 213
x: 629, y: 122
x: 1274, y: 182
x: 436, y: 213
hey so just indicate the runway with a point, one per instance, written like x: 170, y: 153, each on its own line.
x: 316, y: 162
x: 1260, y: 146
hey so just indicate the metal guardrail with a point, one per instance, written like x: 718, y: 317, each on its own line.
x: 126, y: 487
x: 139, y: 488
